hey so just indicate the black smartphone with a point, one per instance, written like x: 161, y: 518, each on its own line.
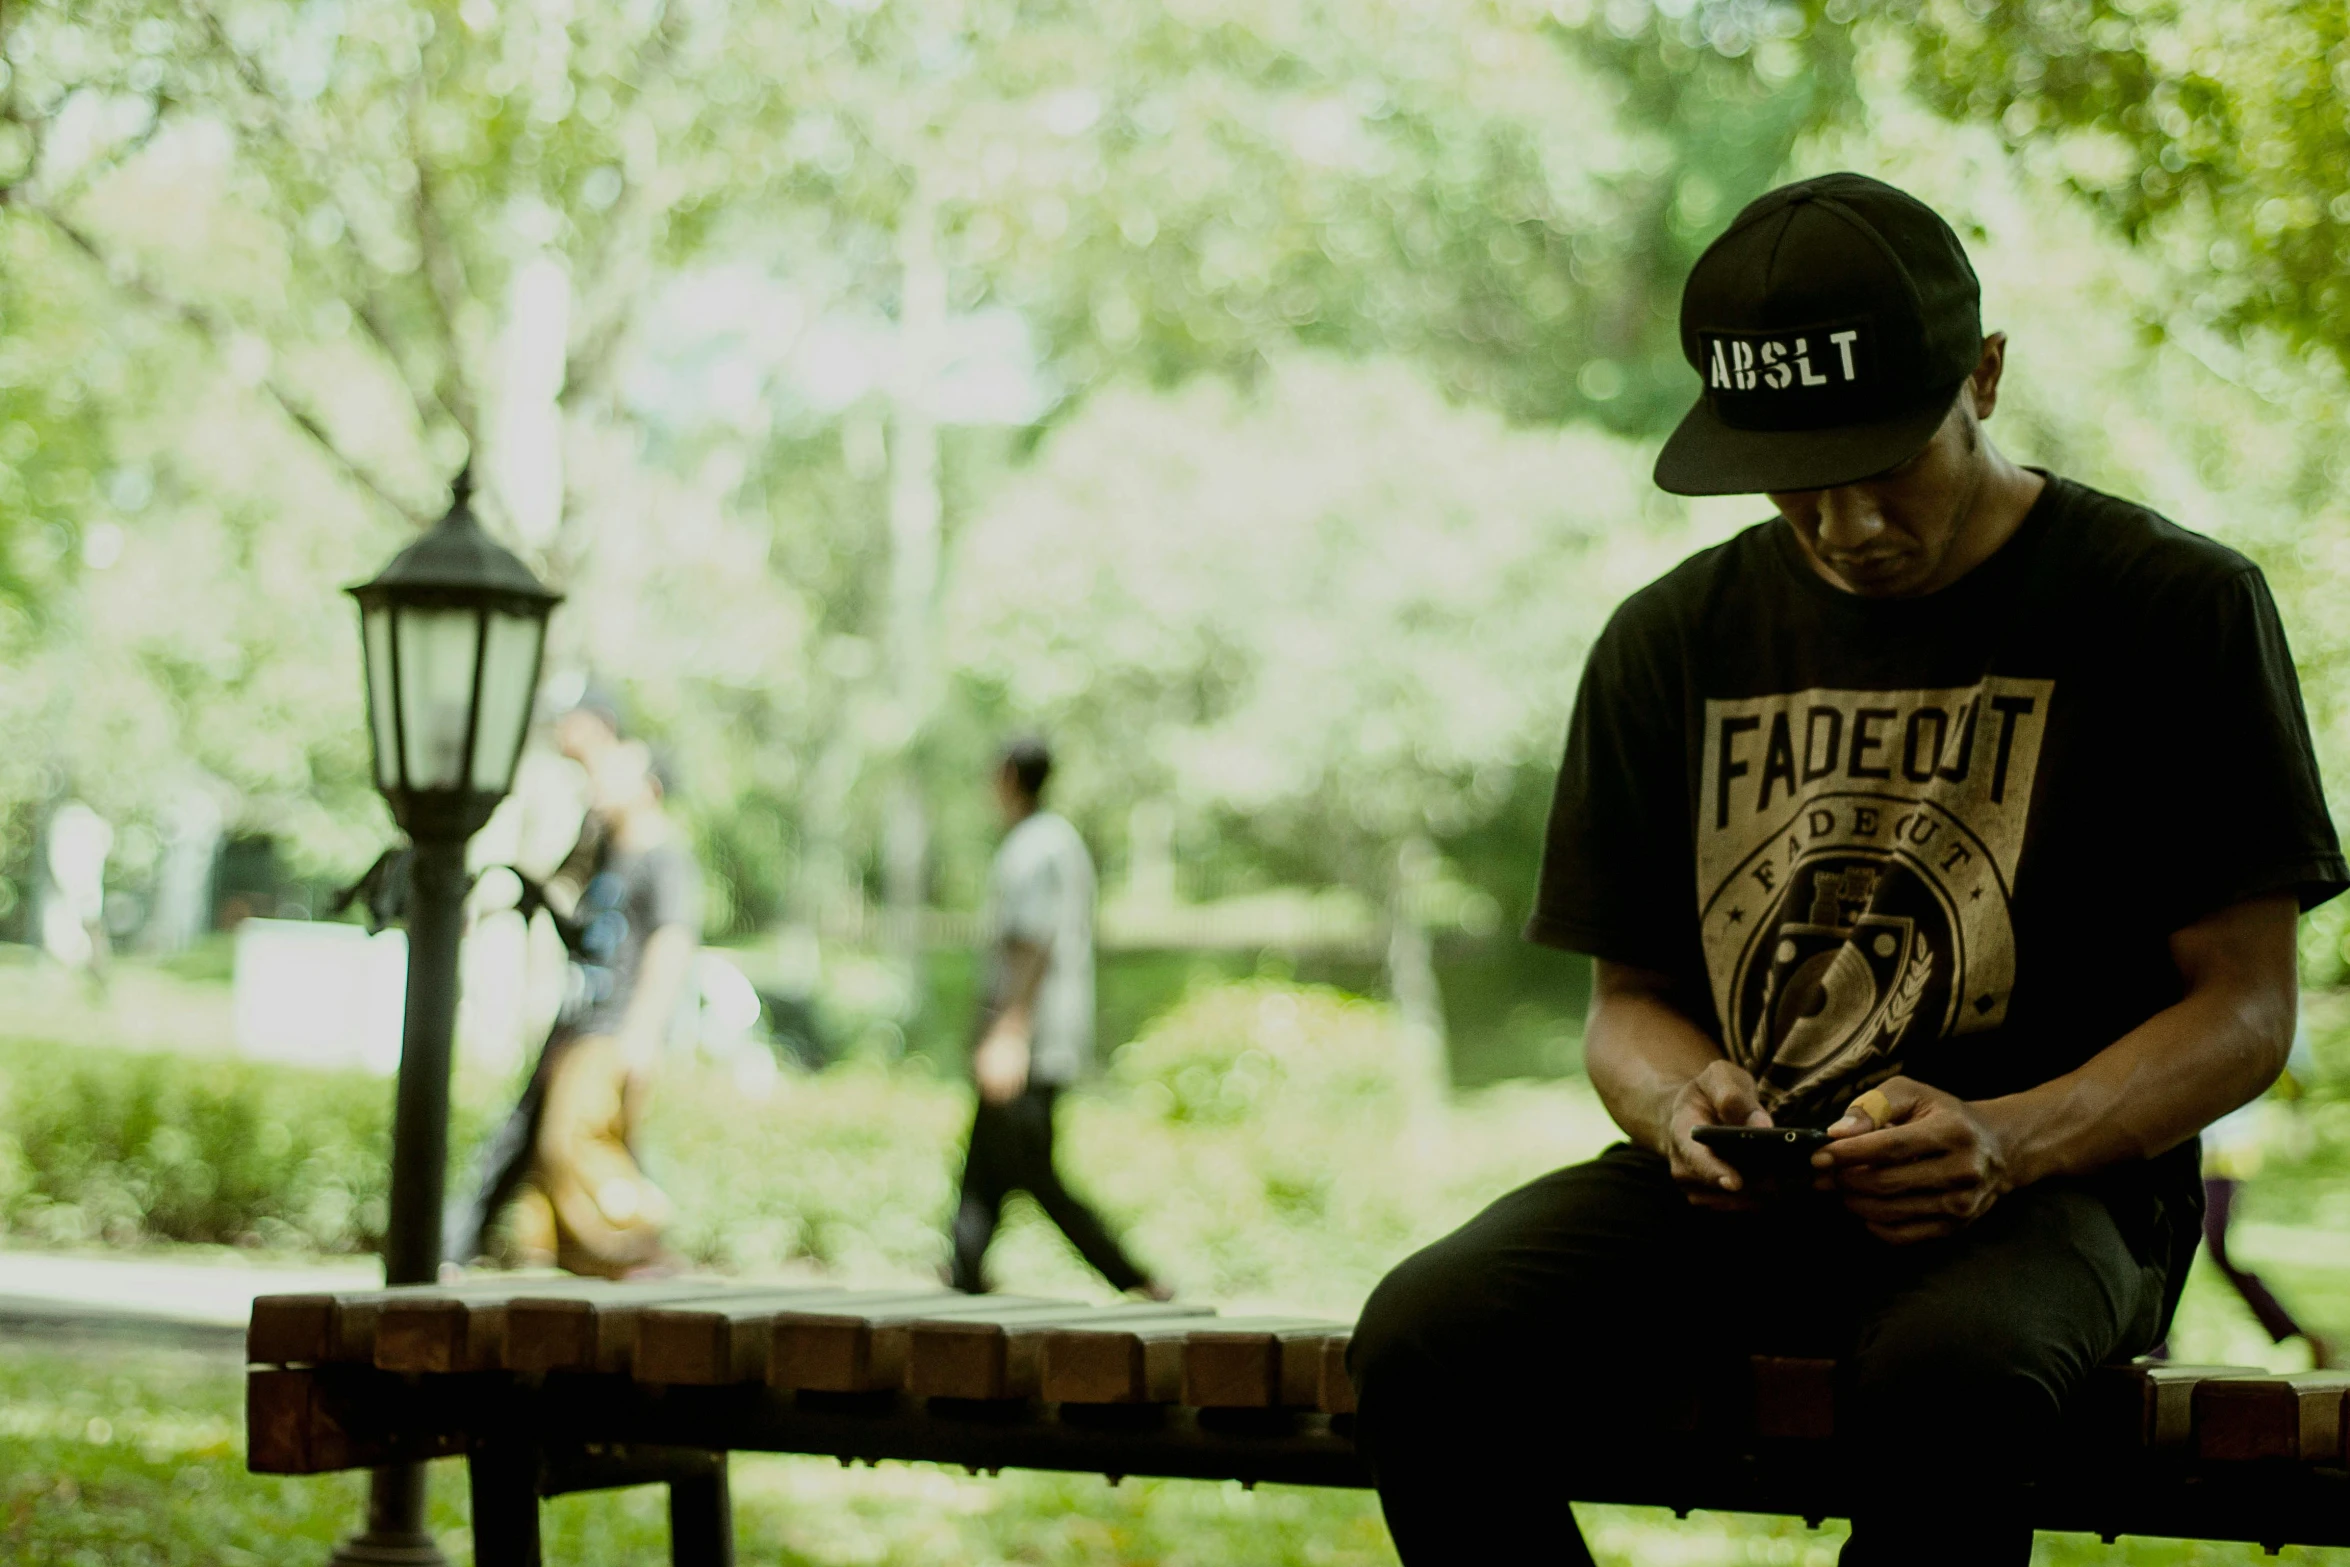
x: 1781, y: 1152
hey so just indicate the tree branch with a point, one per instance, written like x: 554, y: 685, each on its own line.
x: 628, y: 237
x: 444, y: 275
x: 216, y: 329
x: 423, y: 392
x: 120, y: 153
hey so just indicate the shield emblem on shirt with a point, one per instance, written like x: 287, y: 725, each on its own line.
x: 1839, y: 990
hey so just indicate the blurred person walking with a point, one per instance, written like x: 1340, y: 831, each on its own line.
x: 1036, y: 1029
x: 579, y: 1198
x: 73, y: 913
x: 587, y: 730
x: 586, y: 727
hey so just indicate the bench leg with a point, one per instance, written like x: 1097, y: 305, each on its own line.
x: 505, y: 1480
x: 701, y: 1518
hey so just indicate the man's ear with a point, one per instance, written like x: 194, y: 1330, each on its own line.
x: 1983, y: 384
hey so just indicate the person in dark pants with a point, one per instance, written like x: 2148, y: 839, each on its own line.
x: 1960, y: 811
x: 1037, y: 1030
x: 2219, y: 1210
x: 2232, y: 1156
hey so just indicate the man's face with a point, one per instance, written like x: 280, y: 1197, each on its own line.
x: 1891, y: 536
x: 621, y: 780
x: 1011, y: 801
x: 584, y: 737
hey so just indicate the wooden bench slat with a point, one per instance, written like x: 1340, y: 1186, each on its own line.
x: 1152, y: 1361
x: 1335, y: 1390
x: 1257, y: 1363
x: 2147, y: 1403
x: 729, y: 1338
x: 996, y: 1358
x: 318, y: 1329
x: 865, y: 1352
x: 322, y: 1329
x: 282, y: 1428
x: 290, y: 1330
x: 1139, y: 1363
x: 300, y: 1422
x: 468, y: 1331
x: 594, y: 1331
x: 2239, y: 1418
x: 463, y: 1327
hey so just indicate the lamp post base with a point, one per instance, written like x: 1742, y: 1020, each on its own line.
x: 388, y: 1550
x: 396, y: 1536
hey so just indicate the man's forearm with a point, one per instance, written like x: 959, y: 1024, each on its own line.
x: 1022, y: 965
x: 2149, y: 1091
x: 662, y: 973
x: 1640, y: 1052
x: 2178, y: 1071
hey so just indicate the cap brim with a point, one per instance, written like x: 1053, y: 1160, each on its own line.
x: 1704, y: 456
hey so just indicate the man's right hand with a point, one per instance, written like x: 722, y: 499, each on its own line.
x: 1721, y: 1095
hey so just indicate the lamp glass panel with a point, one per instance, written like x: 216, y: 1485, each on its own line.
x: 375, y: 626
x: 437, y: 648
x: 509, y: 672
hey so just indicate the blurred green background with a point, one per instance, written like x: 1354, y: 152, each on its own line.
x: 1256, y: 398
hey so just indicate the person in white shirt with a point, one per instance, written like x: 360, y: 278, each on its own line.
x: 1036, y: 1028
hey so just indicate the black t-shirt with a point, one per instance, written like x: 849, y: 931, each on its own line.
x: 1947, y: 836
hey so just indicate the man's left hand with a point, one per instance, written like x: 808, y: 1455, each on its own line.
x: 1932, y: 1167
x: 1001, y: 1063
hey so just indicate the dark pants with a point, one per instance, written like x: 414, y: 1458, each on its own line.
x: 2219, y: 1206
x: 1012, y: 1151
x: 1543, y: 1334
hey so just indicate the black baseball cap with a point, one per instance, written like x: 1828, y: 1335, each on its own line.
x: 1832, y: 325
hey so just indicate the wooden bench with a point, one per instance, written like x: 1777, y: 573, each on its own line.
x: 547, y: 1387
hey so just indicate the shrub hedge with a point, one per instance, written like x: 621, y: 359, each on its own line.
x: 1261, y: 1140
x: 120, y: 1147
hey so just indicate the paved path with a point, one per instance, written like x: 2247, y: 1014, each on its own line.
x: 205, y: 1300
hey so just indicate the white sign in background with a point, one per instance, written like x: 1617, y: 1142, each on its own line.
x: 314, y: 993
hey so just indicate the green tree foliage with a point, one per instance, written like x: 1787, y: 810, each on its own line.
x: 2214, y: 132
x: 53, y: 428
x: 1714, y: 97
x: 1327, y: 613
x: 262, y: 260
x: 313, y: 218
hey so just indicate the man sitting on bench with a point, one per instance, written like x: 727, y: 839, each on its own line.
x: 1959, y: 810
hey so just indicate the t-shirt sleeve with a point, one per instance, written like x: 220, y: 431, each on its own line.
x: 676, y: 892
x: 2255, y: 821
x: 1031, y: 906
x: 1615, y: 877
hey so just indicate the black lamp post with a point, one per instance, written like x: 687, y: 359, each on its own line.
x: 453, y: 629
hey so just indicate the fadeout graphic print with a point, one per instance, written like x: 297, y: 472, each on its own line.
x: 1856, y: 853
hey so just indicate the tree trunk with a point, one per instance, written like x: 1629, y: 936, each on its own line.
x: 1411, y: 981
x: 913, y: 577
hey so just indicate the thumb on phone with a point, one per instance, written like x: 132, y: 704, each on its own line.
x: 1866, y: 1113
x: 1731, y: 1092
